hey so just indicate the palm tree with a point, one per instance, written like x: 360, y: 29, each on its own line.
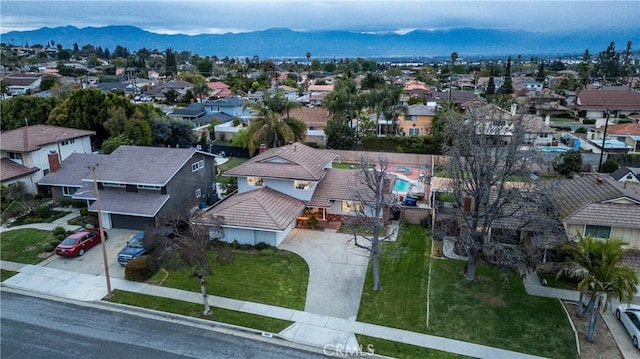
x: 201, y: 90
x: 270, y: 127
x: 273, y: 131
x: 597, y: 264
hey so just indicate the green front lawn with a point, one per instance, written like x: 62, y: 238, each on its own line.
x: 24, y: 245
x: 195, y: 310
x: 401, y: 350
x: 277, y: 278
x: 493, y: 310
x: 233, y: 162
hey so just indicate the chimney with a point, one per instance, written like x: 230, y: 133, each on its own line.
x: 262, y: 148
x: 547, y: 120
x: 54, y: 161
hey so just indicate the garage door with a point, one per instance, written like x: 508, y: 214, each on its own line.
x: 131, y: 222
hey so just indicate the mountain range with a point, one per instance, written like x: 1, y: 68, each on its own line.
x: 286, y: 43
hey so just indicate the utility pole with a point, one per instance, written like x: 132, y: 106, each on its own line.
x: 604, y: 138
x: 102, y: 239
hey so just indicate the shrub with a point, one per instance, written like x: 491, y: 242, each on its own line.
x: 312, y: 222
x: 262, y: 245
x: 84, y: 211
x: 608, y: 167
x: 141, y: 268
x: 426, y: 222
x: 589, y: 121
x: 54, y: 242
x: 581, y: 130
x: 48, y: 247
x: 59, y: 231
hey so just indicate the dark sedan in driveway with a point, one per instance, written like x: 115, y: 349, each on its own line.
x: 78, y: 242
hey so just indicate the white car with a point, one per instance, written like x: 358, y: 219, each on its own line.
x: 629, y: 315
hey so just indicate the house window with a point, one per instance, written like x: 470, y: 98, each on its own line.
x: 197, y: 166
x: 152, y: 188
x: 414, y: 131
x: 412, y: 118
x: 198, y: 193
x: 303, y: 185
x: 597, y: 231
x: 15, y: 156
x: 68, y: 142
x: 112, y: 184
x: 254, y: 181
x: 68, y: 191
x: 351, y: 206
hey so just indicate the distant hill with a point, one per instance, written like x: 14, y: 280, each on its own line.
x: 274, y: 43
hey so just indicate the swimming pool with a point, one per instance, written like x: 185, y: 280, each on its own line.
x: 401, y: 185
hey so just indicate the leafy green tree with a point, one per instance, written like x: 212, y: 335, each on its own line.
x: 598, y: 265
x: 273, y: 131
x: 491, y: 87
x: 34, y: 109
x: 112, y: 143
x: 48, y: 81
x: 173, y: 132
x: 343, y: 101
x: 205, y: 66
x: 340, y: 136
x: 568, y: 163
x: 540, y: 76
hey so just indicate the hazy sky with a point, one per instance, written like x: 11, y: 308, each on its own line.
x: 220, y: 16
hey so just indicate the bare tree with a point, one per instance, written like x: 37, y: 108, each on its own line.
x: 189, y: 243
x: 371, y: 191
x: 503, y: 215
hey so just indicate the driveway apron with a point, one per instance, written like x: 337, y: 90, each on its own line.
x: 337, y: 269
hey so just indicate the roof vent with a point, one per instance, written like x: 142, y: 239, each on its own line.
x: 599, y: 180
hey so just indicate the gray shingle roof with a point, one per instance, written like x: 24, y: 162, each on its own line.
x: 74, y: 169
x: 130, y: 203
x: 263, y: 208
x: 295, y: 161
x: 153, y: 166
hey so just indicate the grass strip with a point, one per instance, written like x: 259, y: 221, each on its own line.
x: 194, y: 310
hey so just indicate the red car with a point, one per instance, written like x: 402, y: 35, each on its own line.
x: 79, y: 242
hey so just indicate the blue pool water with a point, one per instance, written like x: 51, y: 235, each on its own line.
x: 401, y: 185
x: 554, y: 149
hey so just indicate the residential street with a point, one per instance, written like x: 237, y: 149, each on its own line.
x: 39, y: 328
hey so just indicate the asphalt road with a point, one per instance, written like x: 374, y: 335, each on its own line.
x: 33, y: 327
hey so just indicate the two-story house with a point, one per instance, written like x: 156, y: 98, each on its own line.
x: 275, y: 187
x: 31, y: 150
x: 138, y: 186
x: 417, y: 120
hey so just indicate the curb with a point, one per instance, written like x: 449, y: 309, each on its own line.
x: 210, y: 325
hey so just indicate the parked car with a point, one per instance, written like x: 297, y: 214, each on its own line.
x: 78, y: 242
x: 629, y: 315
x: 133, y: 249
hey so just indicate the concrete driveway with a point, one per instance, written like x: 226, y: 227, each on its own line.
x: 337, y: 269
x: 91, y: 261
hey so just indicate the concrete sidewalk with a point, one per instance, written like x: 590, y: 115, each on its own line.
x: 317, y: 329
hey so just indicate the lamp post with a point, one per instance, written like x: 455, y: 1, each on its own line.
x: 102, y: 239
x: 604, y: 138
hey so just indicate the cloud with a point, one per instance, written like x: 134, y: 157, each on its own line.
x: 192, y: 17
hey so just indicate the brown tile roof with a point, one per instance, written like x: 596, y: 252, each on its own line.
x: 337, y: 185
x: 573, y: 195
x: 295, y: 161
x: 37, y: 136
x: 624, y: 129
x: 10, y: 169
x: 607, y: 99
x: 313, y: 116
x: 263, y: 208
x: 342, y: 184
